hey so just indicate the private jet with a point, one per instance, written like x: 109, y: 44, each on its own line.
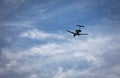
x: 78, y: 31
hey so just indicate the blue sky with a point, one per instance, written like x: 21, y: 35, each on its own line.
x: 34, y: 42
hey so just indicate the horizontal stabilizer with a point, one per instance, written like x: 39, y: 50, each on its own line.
x: 80, y: 26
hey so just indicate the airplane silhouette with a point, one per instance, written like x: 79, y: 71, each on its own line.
x: 77, y: 31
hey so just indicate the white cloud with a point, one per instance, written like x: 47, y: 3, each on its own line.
x: 33, y: 76
x: 66, y: 74
x: 18, y: 24
x: 37, y: 34
x: 93, y: 72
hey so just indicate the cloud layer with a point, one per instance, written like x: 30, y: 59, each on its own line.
x: 73, y: 58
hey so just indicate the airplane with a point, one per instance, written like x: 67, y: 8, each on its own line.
x: 78, y: 31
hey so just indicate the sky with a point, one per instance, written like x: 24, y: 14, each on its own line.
x: 34, y: 42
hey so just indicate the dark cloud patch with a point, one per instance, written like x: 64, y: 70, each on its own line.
x: 12, y: 74
x: 3, y: 37
x: 112, y: 58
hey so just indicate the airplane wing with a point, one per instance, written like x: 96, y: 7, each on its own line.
x: 71, y: 32
x: 83, y: 34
